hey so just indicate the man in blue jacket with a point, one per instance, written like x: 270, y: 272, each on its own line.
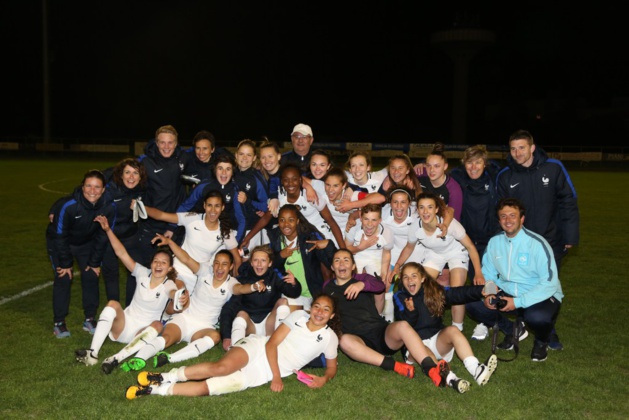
x: 545, y: 188
x: 522, y: 265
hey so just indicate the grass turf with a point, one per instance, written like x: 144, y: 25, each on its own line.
x: 40, y: 379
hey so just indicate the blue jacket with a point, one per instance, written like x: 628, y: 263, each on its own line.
x: 549, y: 196
x: 523, y: 267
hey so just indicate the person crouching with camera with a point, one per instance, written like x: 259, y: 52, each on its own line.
x: 522, y: 265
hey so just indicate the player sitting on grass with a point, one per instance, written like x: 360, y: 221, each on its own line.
x: 197, y: 324
x: 138, y: 322
x: 421, y: 302
x: 256, y: 360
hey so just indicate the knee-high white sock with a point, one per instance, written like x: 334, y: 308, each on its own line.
x: 239, y: 329
x: 282, y: 312
x: 136, y: 344
x: 193, y: 349
x: 152, y: 347
x: 103, y: 327
x: 471, y: 363
x: 387, y: 312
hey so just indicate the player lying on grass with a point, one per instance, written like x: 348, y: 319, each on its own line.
x: 421, y: 302
x: 256, y: 360
x: 140, y: 321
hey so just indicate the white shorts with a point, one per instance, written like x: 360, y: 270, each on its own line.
x: 260, y: 238
x: 370, y: 265
x: 454, y: 259
x: 305, y: 301
x: 131, y: 328
x: 189, y: 325
x: 261, y: 326
x: 431, y: 343
x: 256, y: 373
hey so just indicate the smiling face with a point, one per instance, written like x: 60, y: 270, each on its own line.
x: 301, y: 143
x: 93, y: 189
x: 130, y: 177
x: 398, y: 169
x: 321, y: 311
x: 343, y: 265
x: 245, y: 156
x: 270, y: 159
x: 412, y: 279
x: 319, y: 165
x: 400, y: 203
x: 166, y: 144
x: 222, y: 266
x: 161, y: 265
x: 334, y: 188
x: 427, y: 209
x: 291, y: 181
x: 260, y: 262
x: 475, y: 167
x: 287, y: 223
x: 224, y: 172
x: 436, y: 168
x: 370, y: 222
x: 213, y: 208
x: 510, y: 220
x: 203, y: 150
x: 522, y: 152
x: 359, y: 168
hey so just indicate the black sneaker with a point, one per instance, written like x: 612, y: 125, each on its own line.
x: 160, y: 359
x: 553, y: 342
x: 507, y: 343
x: 109, y: 365
x: 460, y: 385
x: 540, y: 351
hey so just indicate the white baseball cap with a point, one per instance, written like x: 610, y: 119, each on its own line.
x: 302, y: 129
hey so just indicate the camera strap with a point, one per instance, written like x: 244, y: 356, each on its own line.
x: 516, y: 342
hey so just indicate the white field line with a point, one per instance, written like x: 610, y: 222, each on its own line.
x: 30, y: 291
x: 43, y: 186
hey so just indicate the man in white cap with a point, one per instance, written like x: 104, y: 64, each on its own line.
x: 302, y: 139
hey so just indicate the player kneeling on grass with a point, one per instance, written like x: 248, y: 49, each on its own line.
x: 256, y: 360
x: 139, y: 322
x: 369, y: 338
x: 421, y: 302
x: 197, y: 324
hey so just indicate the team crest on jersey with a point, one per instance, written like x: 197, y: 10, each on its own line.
x: 486, y: 187
x: 219, y: 238
x: 222, y: 292
x: 378, y: 246
x: 545, y: 180
x: 228, y: 198
x: 248, y: 186
x: 523, y: 259
x: 157, y: 295
x: 319, y: 338
x: 373, y: 187
x: 303, y: 207
x: 181, y: 166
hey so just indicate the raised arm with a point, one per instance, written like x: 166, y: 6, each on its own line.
x: 180, y: 253
x: 118, y: 247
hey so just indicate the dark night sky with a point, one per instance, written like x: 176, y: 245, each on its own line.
x: 360, y: 71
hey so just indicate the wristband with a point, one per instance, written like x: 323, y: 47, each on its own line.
x: 253, y: 289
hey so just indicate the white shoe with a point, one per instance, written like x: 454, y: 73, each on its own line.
x: 85, y: 356
x: 480, y: 332
x: 484, y: 371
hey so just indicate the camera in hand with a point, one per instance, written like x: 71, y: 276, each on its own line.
x: 500, y: 303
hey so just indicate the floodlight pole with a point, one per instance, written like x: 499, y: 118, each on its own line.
x: 46, y: 77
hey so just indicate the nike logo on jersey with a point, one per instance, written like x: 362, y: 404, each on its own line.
x: 514, y: 185
x: 196, y: 228
x: 291, y: 262
x: 117, y: 199
x: 78, y: 217
x: 297, y: 325
x: 158, y: 170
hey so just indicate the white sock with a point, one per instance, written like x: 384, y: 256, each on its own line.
x: 103, y: 327
x: 136, y: 344
x: 451, y: 377
x: 152, y: 347
x: 282, y: 312
x: 471, y: 363
x: 458, y: 325
x: 387, y: 313
x: 193, y: 349
x: 239, y: 329
x: 164, y: 389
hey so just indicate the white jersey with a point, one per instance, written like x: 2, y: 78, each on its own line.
x: 374, y: 180
x: 148, y: 304
x: 340, y: 218
x: 370, y: 258
x: 450, y: 242
x: 302, y: 345
x: 207, y: 301
x: 200, y: 243
x: 400, y: 233
x: 312, y: 212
